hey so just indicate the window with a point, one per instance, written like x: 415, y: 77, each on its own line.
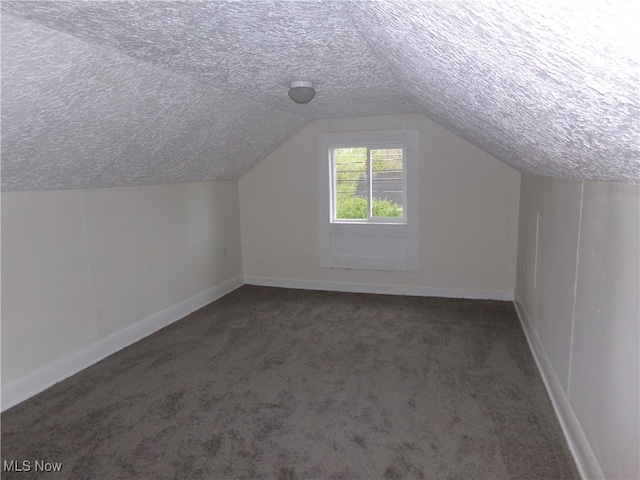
x: 368, y: 184
x: 369, y: 200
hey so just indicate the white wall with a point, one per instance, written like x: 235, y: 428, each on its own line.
x: 80, y: 267
x: 578, y: 294
x: 468, y: 217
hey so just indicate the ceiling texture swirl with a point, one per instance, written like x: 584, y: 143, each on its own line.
x: 115, y: 93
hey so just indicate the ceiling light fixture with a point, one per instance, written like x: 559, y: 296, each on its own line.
x: 302, y: 91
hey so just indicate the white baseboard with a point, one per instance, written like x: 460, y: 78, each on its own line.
x: 506, y: 295
x: 19, y: 390
x: 583, y: 455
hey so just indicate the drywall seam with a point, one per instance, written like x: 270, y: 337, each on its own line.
x: 56, y: 371
x: 583, y: 455
x: 575, y: 292
x: 535, y: 259
x: 85, y: 242
x: 505, y: 295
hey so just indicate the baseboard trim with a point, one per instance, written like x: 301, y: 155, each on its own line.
x: 35, y: 382
x: 583, y: 455
x: 506, y: 295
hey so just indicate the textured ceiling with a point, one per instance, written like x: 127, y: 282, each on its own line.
x: 98, y: 94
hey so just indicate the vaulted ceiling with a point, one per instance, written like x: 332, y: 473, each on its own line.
x: 109, y: 93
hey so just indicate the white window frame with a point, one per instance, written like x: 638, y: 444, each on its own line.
x: 374, y: 243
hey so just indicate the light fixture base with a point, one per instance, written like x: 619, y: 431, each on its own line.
x: 302, y: 91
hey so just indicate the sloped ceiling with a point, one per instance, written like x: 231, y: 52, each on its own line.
x: 98, y: 94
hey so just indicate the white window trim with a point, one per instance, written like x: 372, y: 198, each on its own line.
x: 337, y: 235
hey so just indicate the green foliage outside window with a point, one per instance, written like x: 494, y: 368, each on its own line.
x: 355, y: 208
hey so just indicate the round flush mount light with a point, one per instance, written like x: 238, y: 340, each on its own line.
x: 302, y: 91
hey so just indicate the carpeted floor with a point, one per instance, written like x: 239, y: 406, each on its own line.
x: 272, y: 383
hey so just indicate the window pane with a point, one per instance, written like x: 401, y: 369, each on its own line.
x: 387, y: 182
x: 351, y: 184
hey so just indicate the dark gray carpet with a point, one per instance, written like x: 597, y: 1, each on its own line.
x: 272, y: 383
